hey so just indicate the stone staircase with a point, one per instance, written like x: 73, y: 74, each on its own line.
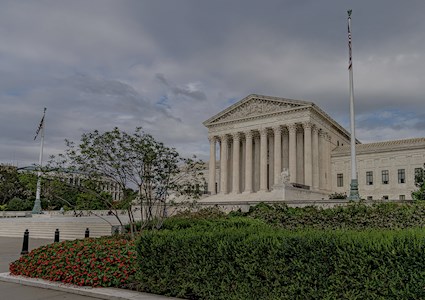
x: 69, y: 227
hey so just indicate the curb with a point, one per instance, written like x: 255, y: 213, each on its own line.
x: 100, y: 293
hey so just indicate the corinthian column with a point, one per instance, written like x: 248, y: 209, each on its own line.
x: 328, y: 162
x: 236, y: 151
x: 223, y: 164
x: 315, y: 158
x: 211, y: 181
x: 322, y: 160
x: 277, y: 130
x: 292, y: 129
x: 248, y: 162
x: 263, y: 159
x: 308, y: 168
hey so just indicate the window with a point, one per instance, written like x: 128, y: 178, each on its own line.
x: 401, y: 176
x: 418, y: 173
x: 385, y: 176
x: 369, y: 198
x: 369, y: 178
x: 384, y: 197
x: 339, y: 180
x: 402, y: 197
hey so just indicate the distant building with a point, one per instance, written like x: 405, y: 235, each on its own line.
x: 266, y: 142
x: 75, y: 178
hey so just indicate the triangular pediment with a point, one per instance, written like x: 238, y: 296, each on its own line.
x: 256, y: 105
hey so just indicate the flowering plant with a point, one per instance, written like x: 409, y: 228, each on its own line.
x: 106, y: 261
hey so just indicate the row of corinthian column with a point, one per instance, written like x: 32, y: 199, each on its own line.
x: 313, y: 164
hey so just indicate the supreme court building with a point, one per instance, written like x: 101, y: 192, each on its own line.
x: 261, y: 145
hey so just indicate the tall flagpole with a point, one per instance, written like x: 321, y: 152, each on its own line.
x: 354, y: 186
x: 37, y: 204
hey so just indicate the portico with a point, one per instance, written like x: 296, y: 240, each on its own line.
x: 259, y: 137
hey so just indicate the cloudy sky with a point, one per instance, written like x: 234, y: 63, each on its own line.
x: 168, y: 65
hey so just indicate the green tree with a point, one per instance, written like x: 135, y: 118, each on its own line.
x: 28, y: 184
x: 134, y: 161
x: 10, y: 186
x: 17, y: 204
x: 420, y: 184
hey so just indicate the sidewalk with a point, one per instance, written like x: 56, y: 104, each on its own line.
x: 23, y: 288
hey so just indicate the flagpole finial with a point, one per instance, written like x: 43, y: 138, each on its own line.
x: 349, y: 12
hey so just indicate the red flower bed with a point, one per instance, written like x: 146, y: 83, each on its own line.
x: 106, y: 261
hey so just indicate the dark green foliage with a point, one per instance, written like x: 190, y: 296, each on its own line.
x: 203, y: 217
x: 351, y: 216
x: 420, y: 184
x: 17, y: 204
x: 338, y: 196
x: 9, y: 184
x: 205, y: 213
x: 254, y: 261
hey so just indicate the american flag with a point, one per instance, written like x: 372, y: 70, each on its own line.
x: 41, y: 125
x: 350, y: 62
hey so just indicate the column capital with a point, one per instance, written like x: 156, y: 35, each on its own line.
x: 322, y: 133
x: 277, y: 129
x: 316, y: 129
x: 292, y: 128
x: 263, y: 132
x: 236, y: 136
x: 248, y: 134
x: 223, y: 137
x: 328, y: 137
x: 307, y: 125
x: 212, y: 138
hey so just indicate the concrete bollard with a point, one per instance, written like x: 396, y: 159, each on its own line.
x: 25, y: 243
x: 57, y: 235
x: 87, y: 233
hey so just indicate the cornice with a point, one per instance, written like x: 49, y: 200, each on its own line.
x: 321, y: 117
x: 259, y: 117
x: 380, y: 147
x: 207, y: 123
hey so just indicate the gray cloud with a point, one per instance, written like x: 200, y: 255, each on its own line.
x: 194, y: 94
x: 167, y: 66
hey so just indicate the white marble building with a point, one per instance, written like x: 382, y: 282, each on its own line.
x: 259, y: 139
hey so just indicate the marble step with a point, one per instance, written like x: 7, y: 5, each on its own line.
x: 69, y: 228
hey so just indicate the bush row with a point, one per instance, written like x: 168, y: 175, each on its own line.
x: 352, y: 216
x: 259, y: 262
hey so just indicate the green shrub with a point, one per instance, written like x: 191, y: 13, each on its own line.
x: 17, y: 204
x: 258, y: 262
x: 338, y: 196
x: 352, y: 216
x: 212, y: 212
x: 185, y: 219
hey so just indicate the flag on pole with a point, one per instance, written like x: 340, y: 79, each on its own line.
x: 350, y: 62
x: 41, y: 125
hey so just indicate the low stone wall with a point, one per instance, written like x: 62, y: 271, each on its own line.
x: 14, y: 214
x: 57, y: 213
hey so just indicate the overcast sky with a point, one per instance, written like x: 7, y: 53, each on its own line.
x: 168, y: 65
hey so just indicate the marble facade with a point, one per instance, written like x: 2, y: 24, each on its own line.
x: 256, y: 140
x: 259, y: 137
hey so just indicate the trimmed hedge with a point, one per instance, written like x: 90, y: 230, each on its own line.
x: 259, y: 262
x: 356, y: 216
